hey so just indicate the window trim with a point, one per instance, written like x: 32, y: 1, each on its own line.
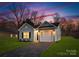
x: 24, y: 35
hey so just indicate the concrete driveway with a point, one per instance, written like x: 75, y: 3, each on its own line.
x: 32, y: 50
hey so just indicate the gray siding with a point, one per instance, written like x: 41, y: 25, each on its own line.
x: 26, y: 28
x: 58, y: 34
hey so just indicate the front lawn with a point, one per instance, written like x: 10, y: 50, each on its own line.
x: 7, y: 43
x: 68, y: 46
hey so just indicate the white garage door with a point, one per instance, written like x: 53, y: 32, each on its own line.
x: 45, y: 36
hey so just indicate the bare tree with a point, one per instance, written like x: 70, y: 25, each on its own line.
x: 41, y: 18
x: 19, y: 12
x: 2, y: 23
x: 33, y: 17
x: 57, y: 17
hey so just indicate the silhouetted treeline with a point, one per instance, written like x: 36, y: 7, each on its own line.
x: 8, y: 26
x: 70, y: 27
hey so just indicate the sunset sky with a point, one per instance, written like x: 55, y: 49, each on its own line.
x: 63, y: 8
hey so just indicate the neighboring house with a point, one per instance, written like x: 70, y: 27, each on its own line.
x: 45, y: 32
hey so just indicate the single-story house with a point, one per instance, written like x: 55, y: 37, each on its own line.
x: 45, y: 32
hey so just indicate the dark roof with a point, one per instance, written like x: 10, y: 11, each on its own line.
x: 47, y: 24
x: 39, y: 25
x: 30, y: 23
x: 56, y: 24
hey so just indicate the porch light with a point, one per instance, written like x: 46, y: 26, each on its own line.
x: 36, y: 31
x: 54, y: 32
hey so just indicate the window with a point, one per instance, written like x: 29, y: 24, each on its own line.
x: 26, y: 35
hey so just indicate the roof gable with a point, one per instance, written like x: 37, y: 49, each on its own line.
x: 25, y: 25
x: 28, y: 21
x: 47, y: 24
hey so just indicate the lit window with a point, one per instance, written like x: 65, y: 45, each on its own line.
x: 26, y: 35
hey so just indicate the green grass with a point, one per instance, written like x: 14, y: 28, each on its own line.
x: 8, y: 44
x: 68, y: 46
